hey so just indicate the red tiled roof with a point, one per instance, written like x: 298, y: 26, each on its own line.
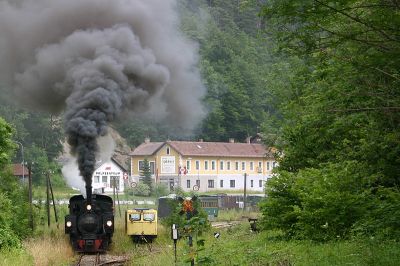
x: 217, y: 149
x: 146, y: 149
x: 18, y: 170
x: 221, y: 149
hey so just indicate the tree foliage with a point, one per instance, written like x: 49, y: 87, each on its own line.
x: 145, y: 174
x: 341, y: 116
x: 13, y: 197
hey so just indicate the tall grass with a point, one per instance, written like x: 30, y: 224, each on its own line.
x: 52, y: 247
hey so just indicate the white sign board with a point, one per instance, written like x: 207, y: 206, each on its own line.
x: 168, y: 165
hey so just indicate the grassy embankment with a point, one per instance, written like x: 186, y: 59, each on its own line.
x: 235, y: 246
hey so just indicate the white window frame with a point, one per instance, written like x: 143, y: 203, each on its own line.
x: 213, y: 164
x: 197, y: 165
x: 243, y: 166
x: 221, y: 165
x: 152, y: 170
x: 188, y: 164
x: 206, y: 165
x: 251, y: 166
x: 228, y: 165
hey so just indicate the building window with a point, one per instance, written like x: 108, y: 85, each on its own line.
x: 221, y: 165
x: 212, y: 165
x: 251, y: 166
x: 198, y: 182
x: 267, y: 165
x: 168, y: 151
x: 243, y: 166
x: 221, y: 183
x: 232, y: 183
x: 197, y: 165
x: 96, y: 179
x: 114, y: 180
x: 104, y: 179
x: 273, y: 164
x: 260, y: 165
x: 151, y: 164
x: 228, y: 165
x: 260, y: 183
x: 211, y: 183
x: 237, y: 166
x: 187, y: 183
x: 188, y: 165
x: 205, y: 165
x: 251, y: 183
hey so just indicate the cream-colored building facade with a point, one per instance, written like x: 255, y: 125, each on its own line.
x: 205, y: 166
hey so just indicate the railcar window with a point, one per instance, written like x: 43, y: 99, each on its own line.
x: 148, y: 216
x: 134, y: 216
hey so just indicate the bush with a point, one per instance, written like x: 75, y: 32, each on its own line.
x: 141, y: 190
x: 160, y: 190
x: 334, y: 202
x: 8, y: 239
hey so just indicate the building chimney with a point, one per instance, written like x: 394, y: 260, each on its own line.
x: 147, y: 140
x: 248, y: 140
x: 231, y: 140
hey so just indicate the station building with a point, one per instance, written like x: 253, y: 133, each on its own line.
x: 108, y: 175
x: 205, y: 166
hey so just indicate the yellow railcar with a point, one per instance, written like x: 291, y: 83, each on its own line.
x: 141, y: 224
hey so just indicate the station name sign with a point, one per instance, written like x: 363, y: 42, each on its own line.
x: 167, y: 164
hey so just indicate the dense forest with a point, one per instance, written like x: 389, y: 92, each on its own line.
x: 318, y: 79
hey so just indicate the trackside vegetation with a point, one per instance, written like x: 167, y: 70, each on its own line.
x: 340, y: 136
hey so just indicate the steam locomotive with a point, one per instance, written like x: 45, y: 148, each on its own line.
x: 90, y: 222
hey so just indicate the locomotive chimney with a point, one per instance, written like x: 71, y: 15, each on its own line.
x: 88, y: 193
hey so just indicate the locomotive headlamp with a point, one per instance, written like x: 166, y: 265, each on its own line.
x: 88, y: 207
x: 69, y: 224
x: 109, y: 223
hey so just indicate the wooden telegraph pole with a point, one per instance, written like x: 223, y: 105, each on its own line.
x: 48, y: 198
x: 30, y: 195
x: 244, y: 192
x: 54, y: 202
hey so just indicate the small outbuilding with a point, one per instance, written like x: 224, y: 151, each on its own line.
x: 108, y: 175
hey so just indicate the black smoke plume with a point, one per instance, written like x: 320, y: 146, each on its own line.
x: 95, y: 60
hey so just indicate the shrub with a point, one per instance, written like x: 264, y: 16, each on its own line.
x: 8, y: 239
x: 141, y: 189
x: 160, y: 190
x: 329, y: 203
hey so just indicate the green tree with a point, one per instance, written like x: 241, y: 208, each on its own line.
x: 145, y: 175
x: 13, y: 197
x: 341, y: 113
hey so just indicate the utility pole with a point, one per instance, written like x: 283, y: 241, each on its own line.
x: 48, y: 198
x: 244, y: 192
x: 54, y: 202
x: 30, y: 195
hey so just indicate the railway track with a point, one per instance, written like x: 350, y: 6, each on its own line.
x: 100, y: 260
